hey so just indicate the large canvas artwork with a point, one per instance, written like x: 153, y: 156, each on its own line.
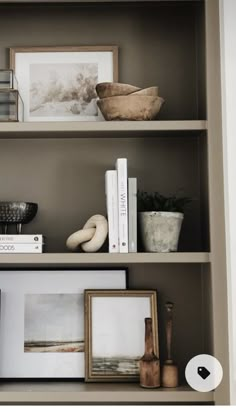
x: 42, y: 320
x: 54, y: 323
x: 58, y: 83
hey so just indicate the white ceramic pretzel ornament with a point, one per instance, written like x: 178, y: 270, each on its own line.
x: 91, y: 237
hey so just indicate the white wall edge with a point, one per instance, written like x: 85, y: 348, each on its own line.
x: 228, y: 85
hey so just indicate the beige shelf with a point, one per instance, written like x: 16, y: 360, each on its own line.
x: 67, y: 392
x: 75, y: 259
x: 103, y: 129
x: 78, y: 1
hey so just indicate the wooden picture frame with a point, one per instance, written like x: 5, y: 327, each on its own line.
x: 58, y: 83
x: 109, y: 354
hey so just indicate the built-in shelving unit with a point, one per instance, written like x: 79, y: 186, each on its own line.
x: 77, y: 259
x: 97, y: 393
x: 61, y: 166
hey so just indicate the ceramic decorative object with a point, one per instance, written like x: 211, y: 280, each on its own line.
x: 17, y: 213
x: 170, y: 369
x: 91, y: 237
x: 160, y: 230
x: 149, y: 364
x: 160, y: 220
x: 132, y: 107
x: 107, y: 89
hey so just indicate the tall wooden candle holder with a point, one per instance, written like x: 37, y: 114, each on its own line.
x: 169, y: 369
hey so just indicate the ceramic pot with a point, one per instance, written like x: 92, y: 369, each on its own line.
x: 160, y: 230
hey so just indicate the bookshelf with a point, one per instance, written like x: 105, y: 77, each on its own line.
x: 61, y: 166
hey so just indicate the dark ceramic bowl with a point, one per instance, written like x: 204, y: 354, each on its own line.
x: 17, y: 212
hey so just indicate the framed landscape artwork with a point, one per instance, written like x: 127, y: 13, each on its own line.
x: 42, y: 320
x: 115, y: 333
x: 58, y: 83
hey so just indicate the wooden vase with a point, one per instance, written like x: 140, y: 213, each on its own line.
x: 169, y: 369
x: 149, y: 363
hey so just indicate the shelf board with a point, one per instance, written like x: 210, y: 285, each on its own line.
x: 81, y: 1
x: 76, y: 259
x: 68, y: 392
x: 101, y: 129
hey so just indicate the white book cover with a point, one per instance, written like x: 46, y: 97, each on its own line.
x: 122, y: 178
x: 132, y: 213
x: 112, y: 209
x: 21, y: 248
x: 21, y: 239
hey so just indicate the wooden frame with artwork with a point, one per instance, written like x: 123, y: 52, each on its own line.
x: 112, y: 347
x: 58, y: 83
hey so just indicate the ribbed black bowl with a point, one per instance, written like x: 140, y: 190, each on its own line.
x: 17, y: 212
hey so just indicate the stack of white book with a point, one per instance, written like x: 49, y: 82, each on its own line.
x: 121, y: 201
x: 21, y: 243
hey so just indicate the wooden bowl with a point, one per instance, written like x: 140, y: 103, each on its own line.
x: 114, y: 89
x: 132, y: 107
x: 149, y: 91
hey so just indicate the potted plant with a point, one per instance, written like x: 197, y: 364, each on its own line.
x: 160, y: 220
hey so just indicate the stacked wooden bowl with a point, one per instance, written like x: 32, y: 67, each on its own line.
x: 119, y: 101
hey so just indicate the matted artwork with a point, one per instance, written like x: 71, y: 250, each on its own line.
x: 54, y: 322
x: 42, y: 320
x: 115, y: 333
x: 58, y: 83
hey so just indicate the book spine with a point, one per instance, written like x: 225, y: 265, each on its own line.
x: 112, y: 209
x: 121, y: 167
x: 132, y: 213
x: 21, y: 248
x: 21, y: 239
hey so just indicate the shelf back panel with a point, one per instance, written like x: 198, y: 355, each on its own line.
x: 160, y: 43
x: 66, y: 177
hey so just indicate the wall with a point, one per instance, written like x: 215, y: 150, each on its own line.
x: 228, y: 34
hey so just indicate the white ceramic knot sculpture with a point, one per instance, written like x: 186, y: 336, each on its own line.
x: 91, y: 237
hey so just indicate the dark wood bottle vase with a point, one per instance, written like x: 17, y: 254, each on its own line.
x: 149, y: 363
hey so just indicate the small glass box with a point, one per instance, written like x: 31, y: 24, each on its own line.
x: 11, y: 106
x: 7, y: 79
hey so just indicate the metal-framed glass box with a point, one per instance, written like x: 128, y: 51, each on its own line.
x: 11, y: 106
x: 7, y: 79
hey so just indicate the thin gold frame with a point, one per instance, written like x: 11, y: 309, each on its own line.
x: 89, y: 295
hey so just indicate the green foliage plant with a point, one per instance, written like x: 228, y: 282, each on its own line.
x: 155, y: 202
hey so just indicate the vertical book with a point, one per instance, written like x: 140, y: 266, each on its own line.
x: 121, y: 167
x: 112, y: 209
x: 132, y: 214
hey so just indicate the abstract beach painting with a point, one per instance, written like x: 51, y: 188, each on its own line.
x: 53, y: 323
x: 116, y: 332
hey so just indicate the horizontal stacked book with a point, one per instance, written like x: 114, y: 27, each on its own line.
x: 21, y: 243
x: 121, y: 201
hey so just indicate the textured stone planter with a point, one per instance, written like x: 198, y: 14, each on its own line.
x: 160, y: 230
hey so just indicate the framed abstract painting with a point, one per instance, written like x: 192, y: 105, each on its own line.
x: 115, y: 332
